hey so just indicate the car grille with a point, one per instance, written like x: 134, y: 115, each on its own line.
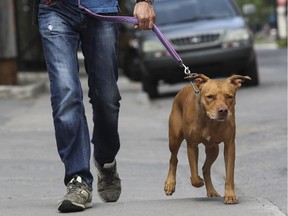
x: 197, y: 41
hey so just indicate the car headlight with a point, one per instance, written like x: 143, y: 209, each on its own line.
x: 236, y: 37
x: 152, y: 46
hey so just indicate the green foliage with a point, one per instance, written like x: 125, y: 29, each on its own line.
x: 282, y: 43
x: 264, y: 8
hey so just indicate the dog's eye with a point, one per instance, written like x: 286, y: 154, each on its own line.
x: 229, y: 96
x: 210, y: 97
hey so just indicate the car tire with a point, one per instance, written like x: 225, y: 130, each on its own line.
x: 252, y: 71
x: 150, y: 86
x: 131, y: 67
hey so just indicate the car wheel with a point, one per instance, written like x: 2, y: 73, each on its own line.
x: 150, y: 86
x: 252, y: 71
x: 131, y: 67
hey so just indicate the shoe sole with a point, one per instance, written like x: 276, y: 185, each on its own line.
x: 68, y: 206
x: 112, y: 197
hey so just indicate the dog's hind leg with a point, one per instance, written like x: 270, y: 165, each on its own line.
x: 211, y: 155
x: 193, y: 152
x: 175, y: 140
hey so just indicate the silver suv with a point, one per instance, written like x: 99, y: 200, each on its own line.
x: 211, y: 37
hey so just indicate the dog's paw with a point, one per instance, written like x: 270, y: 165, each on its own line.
x: 169, y: 188
x: 231, y: 199
x: 212, y: 194
x: 197, y: 182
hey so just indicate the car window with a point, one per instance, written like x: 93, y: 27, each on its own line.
x: 171, y: 11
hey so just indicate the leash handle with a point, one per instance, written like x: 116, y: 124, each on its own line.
x: 155, y: 29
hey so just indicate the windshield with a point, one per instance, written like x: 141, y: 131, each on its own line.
x: 175, y: 11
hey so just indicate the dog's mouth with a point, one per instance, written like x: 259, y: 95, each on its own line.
x: 218, y: 116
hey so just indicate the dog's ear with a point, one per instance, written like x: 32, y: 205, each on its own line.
x: 237, y: 80
x: 198, y: 79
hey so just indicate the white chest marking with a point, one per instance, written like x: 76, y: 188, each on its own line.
x: 208, y: 138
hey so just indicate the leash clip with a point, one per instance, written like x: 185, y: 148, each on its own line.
x: 187, y: 70
x: 188, y: 73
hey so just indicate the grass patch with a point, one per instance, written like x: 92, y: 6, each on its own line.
x: 282, y: 43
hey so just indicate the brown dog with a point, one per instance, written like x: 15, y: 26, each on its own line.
x: 207, y: 117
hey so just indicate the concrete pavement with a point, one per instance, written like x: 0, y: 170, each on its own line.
x: 32, y: 173
x: 174, y: 207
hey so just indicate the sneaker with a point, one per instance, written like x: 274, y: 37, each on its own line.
x: 78, y: 197
x: 109, y: 183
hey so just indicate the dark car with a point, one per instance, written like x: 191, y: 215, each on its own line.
x: 210, y: 36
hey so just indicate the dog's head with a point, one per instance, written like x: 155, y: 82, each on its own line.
x: 217, y: 97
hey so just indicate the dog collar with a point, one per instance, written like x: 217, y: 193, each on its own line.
x: 196, y: 91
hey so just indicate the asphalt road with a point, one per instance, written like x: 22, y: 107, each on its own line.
x: 32, y: 174
x: 262, y: 132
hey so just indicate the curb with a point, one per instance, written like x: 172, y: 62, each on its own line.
x: 31, y: 84
x: 266, y: 46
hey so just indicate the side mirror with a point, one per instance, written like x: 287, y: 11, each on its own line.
x: 248, y: 9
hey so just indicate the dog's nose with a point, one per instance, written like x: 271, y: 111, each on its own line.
x: 223, y: 110
x: 222, y: 113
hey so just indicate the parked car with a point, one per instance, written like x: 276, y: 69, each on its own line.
x: 210, y: 36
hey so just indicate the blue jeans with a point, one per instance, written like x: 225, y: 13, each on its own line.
x: 63, y: 27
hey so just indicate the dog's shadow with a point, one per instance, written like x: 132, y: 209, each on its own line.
x: 167, y: 207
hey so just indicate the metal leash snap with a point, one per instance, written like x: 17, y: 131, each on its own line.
x: 188, y: 73
x: 186, y: 69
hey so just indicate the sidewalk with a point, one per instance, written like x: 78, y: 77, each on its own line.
x: 32, y: 173
x: 266, y: 46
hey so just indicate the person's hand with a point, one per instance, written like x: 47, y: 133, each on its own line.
x: 145, y: 13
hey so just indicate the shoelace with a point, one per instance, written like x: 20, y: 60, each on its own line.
x: 73, y: 186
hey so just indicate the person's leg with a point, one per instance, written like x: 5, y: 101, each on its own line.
x: 99, y: 46
x: 57, y: 24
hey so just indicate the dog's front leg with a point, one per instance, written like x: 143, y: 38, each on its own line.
x: 211, y: 156
x: 174, y: 145
x: 229, y: 155
x: 170, y: 182
x: 193, y: 152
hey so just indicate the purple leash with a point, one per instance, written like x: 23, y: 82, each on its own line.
x: 155, y: 29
